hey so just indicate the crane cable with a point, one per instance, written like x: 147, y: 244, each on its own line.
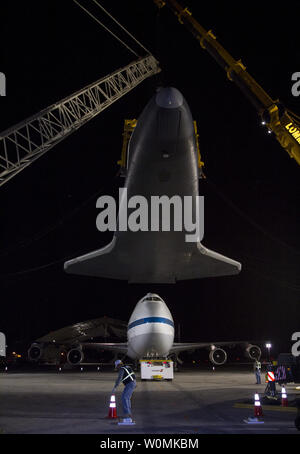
x: 293, y: 114
x: 294, y: 117
x: 107, y: 29
x: 45, y: 233
x: 120, y: 25
x: 97, y: 20
x: 249, y: 219
x: 36, y: 237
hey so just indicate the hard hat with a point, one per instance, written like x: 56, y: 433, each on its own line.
x: 117, y: 362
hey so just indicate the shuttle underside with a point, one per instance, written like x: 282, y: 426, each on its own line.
x: 162, y: 161
x: 141, y: 266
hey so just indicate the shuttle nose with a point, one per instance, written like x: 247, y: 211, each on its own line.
x: 169, y: 98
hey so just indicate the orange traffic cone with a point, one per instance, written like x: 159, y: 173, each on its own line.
x: 112, y: 413
x: 257, y: 406
x: 284, y: 400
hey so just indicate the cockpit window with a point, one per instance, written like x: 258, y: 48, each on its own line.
x: 152, y: 298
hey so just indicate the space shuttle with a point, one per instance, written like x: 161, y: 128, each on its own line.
x: 162, y: 160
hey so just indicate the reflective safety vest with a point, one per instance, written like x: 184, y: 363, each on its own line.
x: 130, y: 376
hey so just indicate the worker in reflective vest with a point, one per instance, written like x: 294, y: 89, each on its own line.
x: 127, y: 376
x: 257, y: 370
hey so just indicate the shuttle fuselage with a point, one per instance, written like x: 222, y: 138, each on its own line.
x: 162, y: 161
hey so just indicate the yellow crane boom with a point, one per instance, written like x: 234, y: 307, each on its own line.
x: 272, y: 112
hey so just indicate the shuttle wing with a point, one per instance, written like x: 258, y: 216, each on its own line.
x: 206, y: 263
x: 106, y: 262
x: 122, y: 263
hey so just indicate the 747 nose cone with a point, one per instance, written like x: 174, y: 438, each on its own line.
x: 169, y: 98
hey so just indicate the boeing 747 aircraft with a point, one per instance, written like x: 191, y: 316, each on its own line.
x: 150, y: 335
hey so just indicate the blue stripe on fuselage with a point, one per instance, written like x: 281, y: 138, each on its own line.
x: 141, y: 321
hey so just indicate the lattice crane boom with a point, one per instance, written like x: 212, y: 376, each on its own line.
x: 23, y: 143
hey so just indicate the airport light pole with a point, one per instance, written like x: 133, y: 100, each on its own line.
x: 268, y: 346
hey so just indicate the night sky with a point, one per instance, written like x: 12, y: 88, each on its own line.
x: 49, y: 50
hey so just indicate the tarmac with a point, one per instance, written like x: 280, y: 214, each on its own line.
x: 197, y: 401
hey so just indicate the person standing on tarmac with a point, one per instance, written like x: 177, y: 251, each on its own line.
x: 127, y: 376
x: 257, y: 369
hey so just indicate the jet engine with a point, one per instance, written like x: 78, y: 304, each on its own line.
x: 253, y: 352
x: 35, y: 352
x: 217, y: 356
x: 75, y: 356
